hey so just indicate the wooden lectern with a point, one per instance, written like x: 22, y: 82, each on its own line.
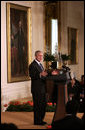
x: 60, y: 82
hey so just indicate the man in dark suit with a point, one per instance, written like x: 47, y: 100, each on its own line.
x: 37, y: 74
x: 70, y: 121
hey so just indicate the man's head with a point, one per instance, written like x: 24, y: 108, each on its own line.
x: 82, y: 78
x: 72, y: 107
x: 39, y: 55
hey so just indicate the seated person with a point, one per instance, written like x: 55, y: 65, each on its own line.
x: 81, y: 109
x: 82, y: 87
x: 73, y: 90
x: 70, y: 121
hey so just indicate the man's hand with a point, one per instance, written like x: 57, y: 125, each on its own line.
x: 43, y: 73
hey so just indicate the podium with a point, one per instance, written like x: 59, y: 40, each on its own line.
x: 60, y: 81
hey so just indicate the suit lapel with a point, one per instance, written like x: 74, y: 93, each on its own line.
x: 37, y: 66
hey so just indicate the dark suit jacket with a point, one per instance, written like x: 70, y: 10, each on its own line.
x: 37, y: 82
x: 69, y: 122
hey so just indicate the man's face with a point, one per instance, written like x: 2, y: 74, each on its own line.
x: 39, y: 56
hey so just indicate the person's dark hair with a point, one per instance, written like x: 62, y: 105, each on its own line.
x: 37, y: 52
x: 8, y: 126
x: 82, y: 77
x: 72, y: 107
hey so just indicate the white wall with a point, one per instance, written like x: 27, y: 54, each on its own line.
x: 11, y: 91
x: 72, y: 15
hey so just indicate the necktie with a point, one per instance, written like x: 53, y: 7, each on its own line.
x: 41, y: 66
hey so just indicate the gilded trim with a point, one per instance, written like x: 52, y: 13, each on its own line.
x: 29, y: 42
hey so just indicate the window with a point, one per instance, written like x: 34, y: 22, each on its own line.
x: 54, y: 36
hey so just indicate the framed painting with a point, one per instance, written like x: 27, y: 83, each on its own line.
x: 18, y: 42
x: 73, y: 45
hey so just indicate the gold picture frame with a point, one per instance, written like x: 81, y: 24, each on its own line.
x: 73, y: 45
x: 19, y: 42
